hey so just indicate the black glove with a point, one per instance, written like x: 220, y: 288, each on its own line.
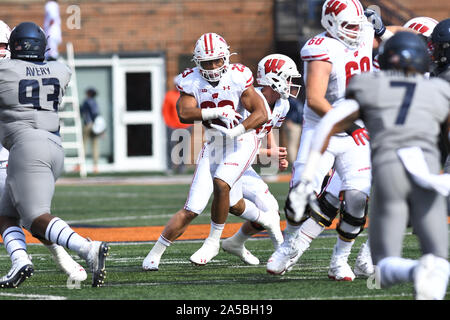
x: 375, y: 20
x: 358, y: 134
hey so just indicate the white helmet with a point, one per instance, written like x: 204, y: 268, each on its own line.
x: 211, y: 46
x: 5, y: 31
x: 343, y: 19
x: 424, y: 25
x: 280, y: 73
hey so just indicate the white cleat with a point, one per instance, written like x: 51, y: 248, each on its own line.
x: 65, y: 262
x: 151, y: 262
x: 285, y: 257
x: 364, y: 265
x: 22, y: 269
x: 206, y: 253
x: 95, y: 257
x: 339, y: 268
x: 270, y: 220
x: 431, y: 278
x: 239, y: 250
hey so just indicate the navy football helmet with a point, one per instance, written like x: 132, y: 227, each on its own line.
x: 404, y: 51
x: 28, y: 42
x: 440, y: 40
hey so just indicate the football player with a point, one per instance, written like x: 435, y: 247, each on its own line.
x: 219, y: 93
x: 32, y: 90
x: 331, y: 59
x: 440, y: 44
x: 198, y: 197
x: 74, y: 270
x: 404, y: 113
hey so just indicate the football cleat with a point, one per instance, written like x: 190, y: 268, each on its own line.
x: 228, y: 245
x: 22, y: 269
x: 363, y: 264
x: 206, y: 253
x: 431, y: 278
x: 151, y: 262
x: 95, y: 259
x: 284, y: 257
x: 339, y: 269
x: 65, y: 262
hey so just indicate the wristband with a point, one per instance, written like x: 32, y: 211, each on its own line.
x: 209, y: 114
x: 386, y: 35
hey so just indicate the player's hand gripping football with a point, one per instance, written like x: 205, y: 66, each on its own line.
x: 298, y: 198
x: 229, y: 116
x: 230, y: 133
x: 374, y: 18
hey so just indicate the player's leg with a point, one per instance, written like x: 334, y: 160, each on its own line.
x: 254, y: 190
x: 388, y: 218
x: 233, y: 159
x: 64, y: 261
x: 429, y: 220
x: 35, y: 165
x: 353, y: 166
x: 197, y: 200
x: 290, y: 250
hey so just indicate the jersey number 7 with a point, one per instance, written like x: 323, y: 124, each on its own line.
x: 407, y: 99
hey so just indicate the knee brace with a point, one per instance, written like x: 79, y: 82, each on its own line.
x: 326, y: 212
x: 353, y: 214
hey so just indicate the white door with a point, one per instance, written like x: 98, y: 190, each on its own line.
x: 139, y: 137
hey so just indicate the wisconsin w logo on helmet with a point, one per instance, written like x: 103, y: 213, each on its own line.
x: 335, y: 7
x: 273, y: 65
x: 280, y: 73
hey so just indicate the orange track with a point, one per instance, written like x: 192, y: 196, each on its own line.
x: 131, y: 234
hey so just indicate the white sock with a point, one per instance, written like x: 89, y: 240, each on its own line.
x: 14, y: 242
x: 160, y: 246
x: 343, y: 248
x: 251, y: 212
x: 291, y: 230
x: 240, y: 237
x: 59, y: 232
x: 309, y: 230
x: 395, y: 270
x: 216, y: 231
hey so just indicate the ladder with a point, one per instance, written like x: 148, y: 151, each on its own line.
x: 70, y: 120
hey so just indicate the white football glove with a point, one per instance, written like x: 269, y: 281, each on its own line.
x: 230, y: 133
x: 300, y: 196
x: 226, y: 114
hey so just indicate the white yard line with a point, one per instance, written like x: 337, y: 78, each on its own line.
x: 32, y: 296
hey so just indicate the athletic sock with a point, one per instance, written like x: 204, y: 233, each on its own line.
x: 393, y: 270
x: 160, y: 246
x: 240, y: 237
x: 59, y: 232
x: 14, y: 241
x: 343, y: 248
x: 216, y: 231
x: 251, y: 212
x: 309, y: 230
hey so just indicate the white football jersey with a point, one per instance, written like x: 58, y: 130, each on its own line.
x: 227, y: 92
x: 276, y: 116
x: 346, y: 63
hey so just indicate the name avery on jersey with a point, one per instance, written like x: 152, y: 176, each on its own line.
x: 37, y: 71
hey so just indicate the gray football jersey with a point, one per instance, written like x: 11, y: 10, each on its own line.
x: 400, y: 111
x: 30, y: 94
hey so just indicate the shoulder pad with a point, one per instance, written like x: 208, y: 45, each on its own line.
x: 317, y: 48
x: 241, y: 75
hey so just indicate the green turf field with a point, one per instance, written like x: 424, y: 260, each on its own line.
x: 226, y: 277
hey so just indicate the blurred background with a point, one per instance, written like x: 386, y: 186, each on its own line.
x: 130, y: 51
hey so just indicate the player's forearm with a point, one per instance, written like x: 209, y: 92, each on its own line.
x: 319, y: 105
x: 189, y: 115
x: 256, y: 119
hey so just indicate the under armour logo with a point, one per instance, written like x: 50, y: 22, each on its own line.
x: 226, y: 88
x: 356, y: 53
